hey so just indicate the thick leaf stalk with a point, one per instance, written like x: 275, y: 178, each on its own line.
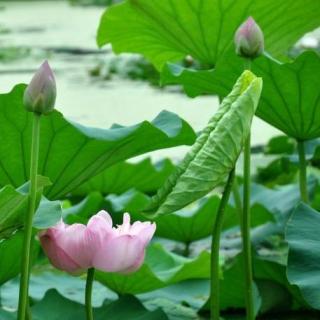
x: 26, y: 261
x: 245, y: 231
x: 215, y: 246
x: 216, y: 150
x: 303, y: 172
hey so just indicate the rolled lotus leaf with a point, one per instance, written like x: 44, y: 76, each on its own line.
x: 216, y: 150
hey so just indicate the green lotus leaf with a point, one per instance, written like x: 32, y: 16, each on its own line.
x: 215, y: 151
x: 160, y: 269
x: 143, y: 176
x: 290, y: 98
x: 70, y: 153
x: 303, y: 268
x: 169, y: 30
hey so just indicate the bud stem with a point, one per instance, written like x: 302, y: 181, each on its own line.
x: 247, y: 64
x: 246, y: 222
x: 303, y: 172
x: 88, y: 294
x: 215, y: 246
x: 25, y: 266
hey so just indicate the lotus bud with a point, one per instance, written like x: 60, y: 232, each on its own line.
x: 76, y: 248
x: 249, y: 39
x: 40, y: 95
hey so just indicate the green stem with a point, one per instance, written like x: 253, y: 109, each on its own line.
x: 88, y: 295
x: 28, y: 312
x: 246, y: 219
x: 303, y: 172
x: 215, y: 246
x: 25, y: 267
x: 186, y: 250
x: 247, y: 64
x: 237, y: 199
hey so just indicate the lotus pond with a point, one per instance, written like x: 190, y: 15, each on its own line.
x: 160, y: 160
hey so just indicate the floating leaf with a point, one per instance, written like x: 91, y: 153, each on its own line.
x: 233, y: 287
x: 303, y: 238
x: 187, y: 225
x: 172, y: 309
x: 280, y: 145
x: 81, y: 212
x: 70, y: 153
x: 192, y: 223
x: 215, y: 151
x: 131, y: 201
x: 280, y: 200
x: 169, y: 30
x: 278, y: 172
x: 47, y: 214
x: 127, y: 307
x: 160, y: 269
x: 43, y: 280
x: 270, y: 268
x: 189, y: 293
x: 271, y: 286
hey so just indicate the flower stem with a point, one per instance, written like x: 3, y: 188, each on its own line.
x: 25, y: 267
x: 303, y: 172
x: 246, y: 219
x: 215, y: 246
x: 88, y: 295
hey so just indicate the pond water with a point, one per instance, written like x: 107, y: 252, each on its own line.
x: 54, y: 30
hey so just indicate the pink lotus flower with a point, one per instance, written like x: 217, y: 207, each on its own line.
x: 40, y: 95
x: 249, y: 39
x: 77, y: 247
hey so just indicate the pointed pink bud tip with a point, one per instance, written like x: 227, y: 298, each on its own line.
x: 40, y: 94
x: 249, y: 39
